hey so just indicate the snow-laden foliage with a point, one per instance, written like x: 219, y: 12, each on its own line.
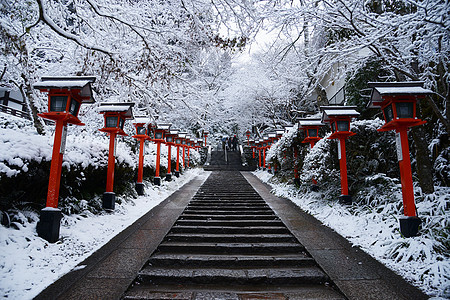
x: 25, y: 161
x: 81, y: 235
x: 373, y: 225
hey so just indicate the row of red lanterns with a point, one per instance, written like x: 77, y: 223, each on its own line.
x: 65, y: 96
x: 397, y: 101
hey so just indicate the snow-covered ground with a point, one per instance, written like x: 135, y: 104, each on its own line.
x: 28, y: 263
x: 376, y: 231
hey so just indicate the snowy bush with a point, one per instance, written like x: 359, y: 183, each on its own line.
x: 25, y: 159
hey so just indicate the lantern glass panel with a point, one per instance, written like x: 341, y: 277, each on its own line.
x: 343, y: 125
x: 74, y: 106
x: 312, y: 132
x: 405, y: 109
x: 111, y: 122
x: 388, y: 113
x: 121, y: 123
x: 58, y: 103
x: 140, y: 130
x: 178, y: 141
x: 158, y: 135
x: 333, y: 126
x: 169, y: 139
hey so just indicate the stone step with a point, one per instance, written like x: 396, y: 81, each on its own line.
x: 230, y: 238
x: 226, y: 212
x: 231, y: 201
x: 185, y: 260
x: 228, y: 217
x: 229, y: 229
x: 298, y: 276
x: 230, y: 248
x: 230, y: 223
x: 231, y: 207
x: 234, y: 292
x: 218, y: 204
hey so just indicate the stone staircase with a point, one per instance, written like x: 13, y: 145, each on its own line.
x: 229, y: 244
x: 231, y: 163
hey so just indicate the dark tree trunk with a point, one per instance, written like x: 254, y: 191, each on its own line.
x: 27, y: 92
x: 424, y: 166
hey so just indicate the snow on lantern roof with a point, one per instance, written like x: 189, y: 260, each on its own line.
x: 70, y: 82
x: 141, y: 120
x: 310, y: 122
x: 163, y: 126
x: 182, y: 135
x: 272, y: 134
x: 174, y: 131
x: 380, y: 89
x: 338, y: 111
x: 117, y: 107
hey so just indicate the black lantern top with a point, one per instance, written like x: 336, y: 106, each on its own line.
x: 115, y: 115
x: 398, y: 102
x: 311, y: 129
x: 65, y: 95
x: 141, y: 123
x: 339, y: 118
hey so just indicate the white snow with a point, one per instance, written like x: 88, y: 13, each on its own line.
x: 28, y: 263
x: 375, y: 228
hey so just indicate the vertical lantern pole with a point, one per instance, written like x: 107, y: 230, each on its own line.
x: 114, y: 115
x: 398, y: 101
x: 339, y: 118
x: 140, y: 122
x: 111, y: 163
x: 169, y: 162
x: 157, y: 179
x: 177, y: 171
x: 56, y: 165
x: 259, y: 156
x: 140, y: 178
x: 65, y: 95
x: 343, y: 166
x: 409, y: 207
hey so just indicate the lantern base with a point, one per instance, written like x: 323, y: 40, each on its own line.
x: 168, y: 177
x: 345, y: 199
x: 139, y: 188
x: 270, y: 171
x: 314, y: 188
x: 49, y: 223
x: 109, y: 201
x: 409, y: 226
x: 157, y: 181
x: 297, y: 181
x: 177, y: 173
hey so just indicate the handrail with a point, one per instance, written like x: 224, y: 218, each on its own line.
x: 15, y: 112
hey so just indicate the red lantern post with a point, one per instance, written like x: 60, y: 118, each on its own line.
x: 248, y: 133
x: 398, y: 102
x: 205, y: 135
x: 115, y: 115
x: 265, y: 146
x: 159, y: 132
x: 141, y: 124
x: 178, y: 142
x: 252, y: 146
x: 65, y: 96
x: 188, y: 147
x: 170, y: 141
x: 259, y: 147
x: 339, y: 118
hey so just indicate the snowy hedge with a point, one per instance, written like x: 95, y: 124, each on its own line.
x: 25, y: 159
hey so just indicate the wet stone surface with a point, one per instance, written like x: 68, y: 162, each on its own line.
x: 229, y: 244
